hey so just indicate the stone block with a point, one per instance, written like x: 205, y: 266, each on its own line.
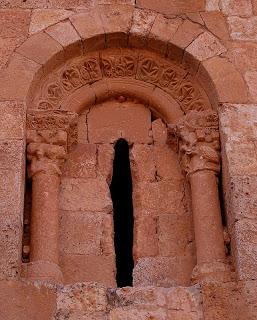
x: 236, y: 8
x: 159, y: 131
x: 105, y: 156
x: 142, y: 22
x: 244, y: 249
x: 112, y: 120
x: 216, y: 23
x: 175, y: 235
x: 90, y: 195
x: 82, y: 128
x: 172, y: 8
x: 145, y: 237
x: 142, y: 163
x: 12, y: 120
x: 223, y: 72
x: 14, y: 23
x: 88, y: 268
x: 81, y: 301
x: 163, y: 271
x: 70, y: 4
x: 243, y: 55
x: 67, y: 36
x: 212, y: 5
x: 205, y: 46
x: 167, y: 163
x: 158, y: 198
x: 243, y: 29
x: 29, y: 4
x: 162, y: 31
x: 43, y: 18
x: 40, y: 48
x: 117, y: 21
x: 23, y: 301
x: 10, y: 245
x: 90, y: 28
x: 81, y: 233
x: 81, y: 162
x: 7, y: 47
x: 136, y: 312
x: 20, y: 71
x: 251, y: 78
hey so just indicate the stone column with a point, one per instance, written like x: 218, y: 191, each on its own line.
x: 199, y: 149
x: 46, y: 152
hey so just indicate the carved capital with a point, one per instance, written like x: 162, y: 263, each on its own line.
x: 199, y: 144
x: 45, y: 158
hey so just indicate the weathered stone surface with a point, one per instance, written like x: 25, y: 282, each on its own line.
x: 12, y: 120
x: 170, y: 8
x: 244, y: 29
x: 163, y: 271
x: 159, y: 131
x: 84, y: 268
x: 205, y: 46
x: 216, y: 23
x: 119, y: 120
x: 81, y: 162
x: 212, y: 5
x: 142, y: 22
x: 236, y: 8
x: 251, y: 78
x: 21, y: 300
x: 243, y: 55
x: 90, y: 195
x: 81, y: 233
x: 142, y: 163
x: 14, y: 23
x: 41, y: 18
x: 105, y: 156
x: 223, y: 72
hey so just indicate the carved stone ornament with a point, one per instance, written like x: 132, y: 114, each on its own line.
x: 199, y: 144
x: 123, y: 63
x: 47, y: 137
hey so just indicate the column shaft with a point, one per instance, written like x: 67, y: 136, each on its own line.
x: 207, y: 217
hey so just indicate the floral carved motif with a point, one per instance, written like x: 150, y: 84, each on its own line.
x: 126, y: 63
x: 199, y: 144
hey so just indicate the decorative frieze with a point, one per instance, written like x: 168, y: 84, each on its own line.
x: 137, y: 64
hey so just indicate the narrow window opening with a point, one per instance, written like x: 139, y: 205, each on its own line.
x: 121, y: 193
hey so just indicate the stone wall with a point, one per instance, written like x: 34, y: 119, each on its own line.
x: 220, y: 51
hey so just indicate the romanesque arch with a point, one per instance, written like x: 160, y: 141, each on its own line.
x: 61, y: 80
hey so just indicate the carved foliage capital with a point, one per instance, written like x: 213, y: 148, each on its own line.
x: 199, y: 144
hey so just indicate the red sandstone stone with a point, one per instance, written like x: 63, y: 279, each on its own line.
x: 14, y: 23
x: 212, y: 5
x: 223, y: 72
x: 142, y: 163
x: 88, y: 268
x: 163, y: 271
x: 43, y: 18
x: 105, y: 156
x: 117, y: 21
x: 40, y: 48
x: 22, y: 71
x: 67, y: 36
x: 161, y: 32
x: 119, y: 120
x: 236, y: 8
x: 170, y: 8
x: 81, y: 162
x: 244, y: 29
x: 81, y: 233
x: 142, y: 22
x: 21, y: 300
x: 251, y: 77
x: 90, y: 195
x: 159, y: 131
x: 90, y: 28
x: 216, y: 23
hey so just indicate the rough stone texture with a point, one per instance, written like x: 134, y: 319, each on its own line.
x: 220, y: 33
x: 85, y: 195
x: 127, y: 120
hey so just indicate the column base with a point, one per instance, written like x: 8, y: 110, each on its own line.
x: 213, y: 271
x: 45, y: 271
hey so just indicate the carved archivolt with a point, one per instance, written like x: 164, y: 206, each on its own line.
x: 121, y: 63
